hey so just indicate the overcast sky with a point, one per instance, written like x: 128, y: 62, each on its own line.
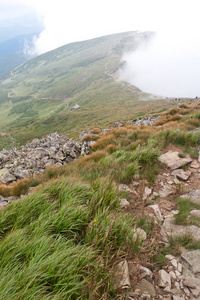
x: 64, y: 21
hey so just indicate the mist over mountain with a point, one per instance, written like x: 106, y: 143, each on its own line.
x: 169, y: 65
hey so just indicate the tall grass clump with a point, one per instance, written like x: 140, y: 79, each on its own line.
x: 61, y: 242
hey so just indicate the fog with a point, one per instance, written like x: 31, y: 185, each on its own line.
x: 168, y: 66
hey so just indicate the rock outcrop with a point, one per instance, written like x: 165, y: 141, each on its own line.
x: 34, y: 157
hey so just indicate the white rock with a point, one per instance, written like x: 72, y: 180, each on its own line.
x: 195, y: 292
x: 172, y: 275
x: 164, y: 279
x: 194, y: 164
x: 178, y: 274
x: 124, y: 187
x: 176, y: 284
x: 147, y: 193
x: 121, y: 276
x: 178, y: 298
x: 174, y: 263
x: 195, y: 213
x: 167, y: 289
x: 157, y: 212
x: 181, y: 174
x: 180, y: 267
x: 186, y: 291
x: 139, y: 234
x: 124, y: 203
x: 169, y: 257
x: 146, y: 271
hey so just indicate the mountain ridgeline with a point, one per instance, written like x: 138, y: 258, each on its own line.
x: 38, y: 96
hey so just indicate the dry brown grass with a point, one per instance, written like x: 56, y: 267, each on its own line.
x: 5, y: 190
x: 167, y: 118
x: 96, y: 131
x: 89, y: 138
x: 105, y: 140
x: 95, y: 156
x: 111, y: 148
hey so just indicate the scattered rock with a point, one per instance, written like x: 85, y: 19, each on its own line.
x: 157, y: 212
x: 178, y: 298
x: 195, y: 213
x: 6, y: 176
x: 121, y: 275
x: 139, y: 234
x: 173, y: 161
x: 164, y: 279
x: 124, y: 187
x: 192, y: 259
x: 194, y: 196
x: 195, y: 292
x: 34, y: 157
x: 148, y: 121
x: 182, y: 175
x: 146, y: 271
x: 147, y: 193
x: 146, y: 286
x: 194, y: 164
x: 124, y: 203
x: 169, y: 229
x: 165, y: 192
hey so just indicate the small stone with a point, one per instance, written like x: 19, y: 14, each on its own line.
x: 145, y: 296
x: 172, y: 275
x: 164, y: 279
x: 178, y: 298
x: 176, y: 291
x: 146, y: 286
x: 195, y: 292
x: 181, y: 284
x: 195, y: 213
x: 147, y: 193
x: 165, y: 192
x: 180, y: 267
x: 170, y: 182
x: 121, y: 276
x: 189, y: 283
x: 182, y: 175
x: 194, y: 164
x: 124, y: 203
x: 157, y: 212
x: 139, y: 234
x: 167, y: 289
x: 177, y: 273
x: 169, y: 257
x: 174, y: 263
x: 124, y: 187
x: 192, y: 259
x: 176, y: 284
x: 146, y: 271
x: 186, y: 291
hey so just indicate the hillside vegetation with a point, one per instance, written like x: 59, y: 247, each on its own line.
x: 64, y: 239
x: 37, y: 97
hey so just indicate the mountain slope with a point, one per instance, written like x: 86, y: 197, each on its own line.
x: 12, y: 53
x: 38, y: 95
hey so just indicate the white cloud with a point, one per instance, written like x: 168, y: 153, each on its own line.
x: 176, y: 21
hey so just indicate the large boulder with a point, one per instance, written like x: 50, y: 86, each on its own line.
x: 6, y: 176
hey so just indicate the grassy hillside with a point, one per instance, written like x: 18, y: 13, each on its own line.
x: 63, y: 241
x: 38, y: 95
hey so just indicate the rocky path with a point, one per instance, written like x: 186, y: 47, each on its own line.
x: 179, y: 279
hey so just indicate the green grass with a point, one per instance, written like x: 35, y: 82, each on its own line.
x: 183, y: 217
x: 61, y: 242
